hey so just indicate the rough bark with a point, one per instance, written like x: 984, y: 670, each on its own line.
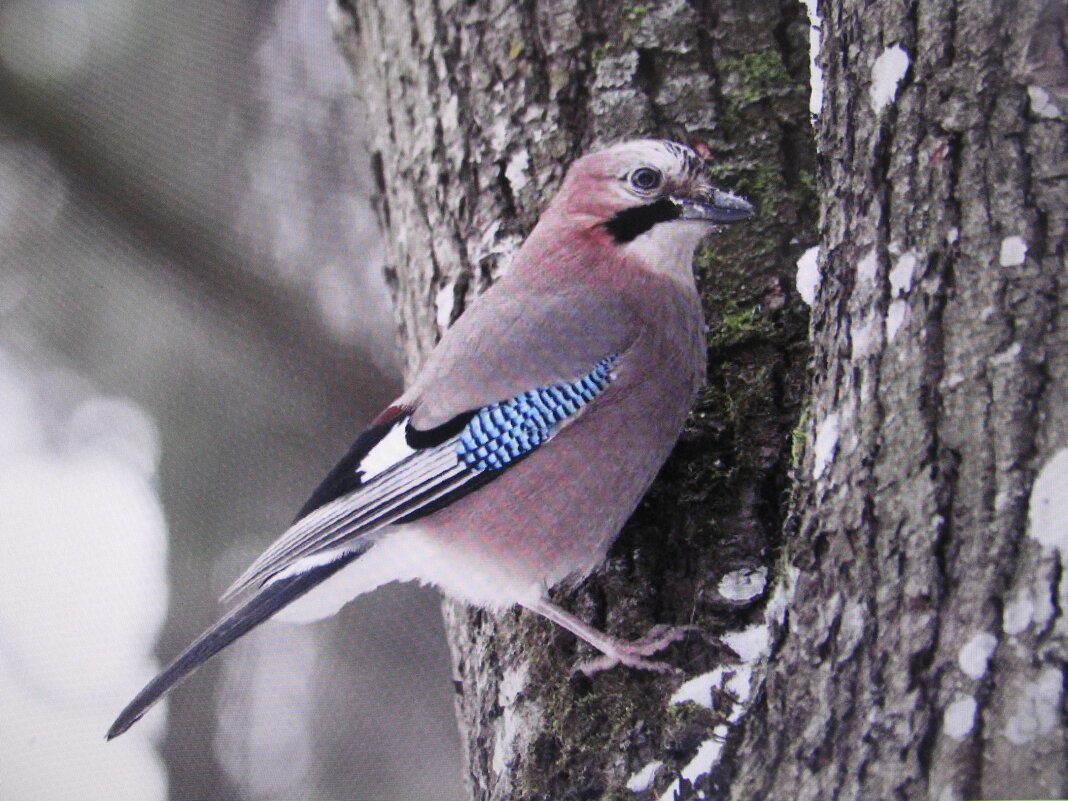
x: 925, y: 650
x: 920, y: 635
x: 477, y: 109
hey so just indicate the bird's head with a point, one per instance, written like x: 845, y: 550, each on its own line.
x: 650, y: 197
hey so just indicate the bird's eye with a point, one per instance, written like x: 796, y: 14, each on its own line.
x: 645, y: 179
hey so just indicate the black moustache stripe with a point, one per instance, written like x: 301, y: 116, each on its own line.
x: 627, y: 225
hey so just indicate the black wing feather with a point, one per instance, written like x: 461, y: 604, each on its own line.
x: 236, y: 624
x: 345, y: 475
x: 344, y: 508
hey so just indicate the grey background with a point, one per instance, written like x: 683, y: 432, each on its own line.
x: 187, y: 251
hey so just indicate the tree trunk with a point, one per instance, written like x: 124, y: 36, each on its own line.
x: 860, y: 667
x: 927, y: 643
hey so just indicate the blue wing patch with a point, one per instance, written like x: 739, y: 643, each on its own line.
x: 502, y: 432
x: 444, y: 464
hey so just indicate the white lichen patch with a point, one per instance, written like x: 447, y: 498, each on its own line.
x: 852, y: 625
x: 703, y: 761
x: 616, y: 71
x: 886, y: 74
x: 498, y: 135
x: 739, y: 685
x: 698, y: 690
x: 782, y: 596
x: 815, y: 97
x: 1019, y: 612
x: 952, y: 381
x: 1044, y: 608
x: 741, y: 585
x: 1042, y: 104
x: 959, y: 718
x: 750, y: 644
x: 513, y: 682
x: 1008, y: 356
x: 512, y: 721
x: 444, y: 303
x: 1048, y: 509
x: 865, y: 336
x: 826, y: 444
x: 735, y: 679
x: 500, y: 747
x: 868, y: 267
x: 450, y: 113
x: 706, y: 757
x: 974, y: 655
x: 895, y: 316
x: 642, y: 780
x: 808, y: 275
x: 901, y: 274
x: 1013, y: 251
x: 516, y: 171
x: 1037, y: 708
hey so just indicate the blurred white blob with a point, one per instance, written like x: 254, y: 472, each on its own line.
x: 83, y: 546
x: 118, y: 428
x: 53, y: 41
x: 308, y: 178
x: 34, y: 191
x: 265, y: 712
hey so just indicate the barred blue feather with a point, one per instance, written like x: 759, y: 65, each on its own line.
x: 502, y: 432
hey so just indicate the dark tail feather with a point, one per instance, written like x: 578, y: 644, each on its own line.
x: 236, y: 624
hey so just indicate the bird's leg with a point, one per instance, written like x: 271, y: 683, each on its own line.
x: 631, y: 653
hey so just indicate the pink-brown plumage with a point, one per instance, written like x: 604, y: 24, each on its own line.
x: 605, y: 275
x: 554, y: 514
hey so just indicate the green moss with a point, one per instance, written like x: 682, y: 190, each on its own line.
x: 755, y: 76
x: 737, y: 324
x: 719, y: 500
x: 601, y: 52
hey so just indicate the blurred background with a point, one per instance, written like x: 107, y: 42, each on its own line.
x: 193, y: 327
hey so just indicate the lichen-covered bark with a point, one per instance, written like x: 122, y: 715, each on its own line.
x: 477, y: 108
x: 926, y: 646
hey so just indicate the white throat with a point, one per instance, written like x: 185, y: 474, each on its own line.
x: 668, y: 247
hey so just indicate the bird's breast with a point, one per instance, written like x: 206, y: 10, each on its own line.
x: 554, y: 514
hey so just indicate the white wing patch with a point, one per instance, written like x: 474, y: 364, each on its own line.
x: 392, y: 449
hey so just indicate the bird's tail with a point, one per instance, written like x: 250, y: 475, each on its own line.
x: 236, y: 624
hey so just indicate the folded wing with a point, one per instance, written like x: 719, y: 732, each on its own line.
x: 393, y: 473
x: 413, y: 472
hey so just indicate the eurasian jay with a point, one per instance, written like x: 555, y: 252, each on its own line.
x: 532, y: 431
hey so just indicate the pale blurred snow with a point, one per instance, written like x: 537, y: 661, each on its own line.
x: 83, y: 545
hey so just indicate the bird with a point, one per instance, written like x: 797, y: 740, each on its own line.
x: 531, y: 432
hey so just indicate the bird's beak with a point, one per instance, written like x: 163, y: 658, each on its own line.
x: 714, y: 206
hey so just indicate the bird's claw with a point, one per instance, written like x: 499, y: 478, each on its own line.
x: 633, y: 653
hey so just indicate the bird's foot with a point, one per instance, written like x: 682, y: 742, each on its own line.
x: 633, y: 653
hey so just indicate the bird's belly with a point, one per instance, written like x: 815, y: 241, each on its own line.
x: 548, y: 518
x: 463, y: 569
